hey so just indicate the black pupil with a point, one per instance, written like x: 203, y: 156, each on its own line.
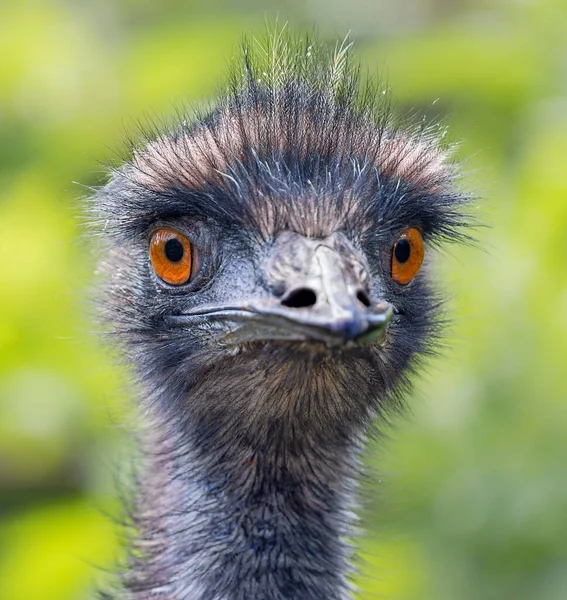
x: 173, y: 250
x: 402, y: 251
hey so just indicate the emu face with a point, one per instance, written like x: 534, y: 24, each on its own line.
x: 266, y: 261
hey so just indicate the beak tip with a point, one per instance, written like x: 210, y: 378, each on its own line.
x: 364, y: 327
x: 376, y: 323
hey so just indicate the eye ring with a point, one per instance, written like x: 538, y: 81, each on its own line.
x: 172, y: 256
x: 407, y: 256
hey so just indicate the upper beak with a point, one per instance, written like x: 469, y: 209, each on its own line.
x: 329, y: 304
x: 324, y: 303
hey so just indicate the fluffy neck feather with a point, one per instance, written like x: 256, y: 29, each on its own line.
x: 231, y: 515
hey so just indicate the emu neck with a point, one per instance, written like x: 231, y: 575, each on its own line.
x: 226, y: 516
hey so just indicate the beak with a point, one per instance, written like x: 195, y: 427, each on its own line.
x: 324, y: 303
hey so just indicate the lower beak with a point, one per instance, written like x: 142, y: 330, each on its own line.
x: 273, y: 322
x: 265, y: 322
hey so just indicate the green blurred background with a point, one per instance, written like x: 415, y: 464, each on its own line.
x: 472, y: 496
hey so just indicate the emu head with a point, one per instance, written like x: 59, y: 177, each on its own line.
x: 268, y: 261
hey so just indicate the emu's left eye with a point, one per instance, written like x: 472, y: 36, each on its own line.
x: 172, y: 256
x: 407, y: 256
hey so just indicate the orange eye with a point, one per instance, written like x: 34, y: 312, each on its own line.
x: 171, y: 256
x: 407, y: 256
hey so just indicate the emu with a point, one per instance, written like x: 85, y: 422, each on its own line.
x: 266, y: 268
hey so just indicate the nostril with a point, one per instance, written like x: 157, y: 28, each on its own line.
x: 363, y: 298
x: 300, y: 298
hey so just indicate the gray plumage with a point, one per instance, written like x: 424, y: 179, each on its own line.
x: 262, y: 374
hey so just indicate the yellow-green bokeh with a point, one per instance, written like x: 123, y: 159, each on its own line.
x: 471, y: 501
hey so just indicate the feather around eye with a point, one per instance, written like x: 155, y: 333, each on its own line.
x: 407, y: 256
x: 171, y: 256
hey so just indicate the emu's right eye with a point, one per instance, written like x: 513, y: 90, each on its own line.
x: 171, y: 255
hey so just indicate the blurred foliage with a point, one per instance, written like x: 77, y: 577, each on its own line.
x: 472, y: 493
